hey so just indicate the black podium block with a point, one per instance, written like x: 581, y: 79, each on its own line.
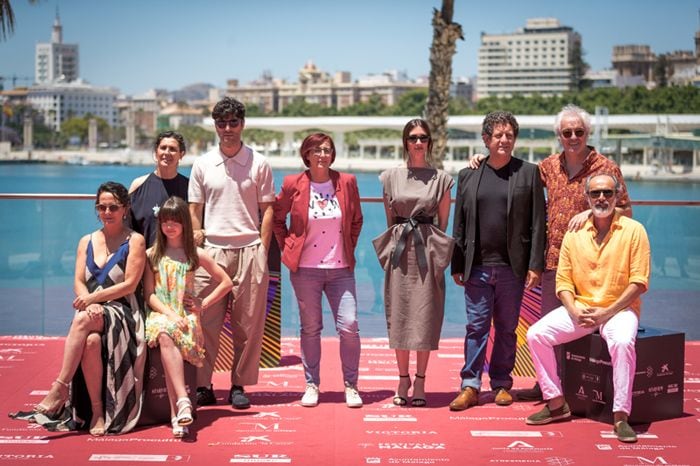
x: 156, y: 407
x: 658, y: 382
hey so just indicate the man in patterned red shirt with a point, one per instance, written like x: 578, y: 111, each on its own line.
x: 564, y: 175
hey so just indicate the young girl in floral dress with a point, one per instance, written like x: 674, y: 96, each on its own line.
x: 174, y: 312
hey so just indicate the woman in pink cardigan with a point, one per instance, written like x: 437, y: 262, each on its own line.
x: 318, y: 247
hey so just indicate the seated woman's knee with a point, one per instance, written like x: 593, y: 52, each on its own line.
x: 93, y: 342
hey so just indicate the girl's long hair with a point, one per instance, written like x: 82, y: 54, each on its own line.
x: 175, y: 209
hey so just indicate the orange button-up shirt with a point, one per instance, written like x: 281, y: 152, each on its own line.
x: 566, y: 198
x: 597, y: 274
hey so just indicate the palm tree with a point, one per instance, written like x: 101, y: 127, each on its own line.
x: 7, y: 19
x: 445, y: 35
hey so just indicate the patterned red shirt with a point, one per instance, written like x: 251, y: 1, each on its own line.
x: 566, y: 198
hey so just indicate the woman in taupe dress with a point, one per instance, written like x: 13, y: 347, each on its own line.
x: 414, y: 251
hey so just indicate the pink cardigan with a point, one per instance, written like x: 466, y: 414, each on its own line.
x: 294, y: 197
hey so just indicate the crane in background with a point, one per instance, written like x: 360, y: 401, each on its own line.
x: 14, y: 78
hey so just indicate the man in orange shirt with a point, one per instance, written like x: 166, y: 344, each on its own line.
x: 602, y: 272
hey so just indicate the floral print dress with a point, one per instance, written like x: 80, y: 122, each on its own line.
x: 173, y: 280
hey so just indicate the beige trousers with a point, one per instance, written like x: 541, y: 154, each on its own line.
x: 248, y: 270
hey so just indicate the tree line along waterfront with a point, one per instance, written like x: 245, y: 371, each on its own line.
x: 630, y: 100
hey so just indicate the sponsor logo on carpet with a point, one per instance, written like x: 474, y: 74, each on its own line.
x: 603, y: 446
x: 411, y: 446
x: 401, y: 432
x: 25, y: 457
x: 558, y: 461
x: 11, y: 355
x: 647, y: 460
x: 645, y: 447
x: 22, y: 439
x: 515, y: 433
x: 139, y: 458
x: 389, y: 418
x: 260, y: 426
x: 261, y: 458
x: 520, y: 446
x: 611, y: 434
x: 250, y: 440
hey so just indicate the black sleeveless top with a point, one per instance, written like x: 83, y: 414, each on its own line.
x: 147, y: 199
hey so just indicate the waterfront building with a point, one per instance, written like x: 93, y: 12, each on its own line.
x: 539, y: 58
x: 316, y: 86
x: 60, y: 101
x: 55, y: 60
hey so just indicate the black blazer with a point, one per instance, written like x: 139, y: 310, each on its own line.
x: 526, y: 219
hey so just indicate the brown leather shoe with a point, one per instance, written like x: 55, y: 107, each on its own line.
x: 503, y: 398
x: 467, y: 397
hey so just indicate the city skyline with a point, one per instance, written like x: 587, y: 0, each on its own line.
x: 137, y: 46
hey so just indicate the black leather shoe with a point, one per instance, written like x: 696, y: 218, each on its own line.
x: 205, y: 396
x: 238, y: 398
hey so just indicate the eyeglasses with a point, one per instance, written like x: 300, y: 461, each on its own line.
x: 105, y: 207
x: 567, y: 133
x: 321, y: 150
x: 595, y: 194
x: 422, y: 138
x: 222, y: 124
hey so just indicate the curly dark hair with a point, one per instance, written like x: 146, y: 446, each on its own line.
x: 228, y: 107
x: 499, y: 118
x: 118, y: 190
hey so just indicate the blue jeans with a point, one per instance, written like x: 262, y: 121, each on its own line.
x: 339, y: 286
x: 492, y: 292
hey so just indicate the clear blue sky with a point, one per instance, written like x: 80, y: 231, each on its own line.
x: 136, y: 45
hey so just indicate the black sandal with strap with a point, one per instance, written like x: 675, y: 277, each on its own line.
x: 401, y: 400
x: 419, y: 402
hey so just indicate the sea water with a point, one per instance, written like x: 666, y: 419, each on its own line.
x: 38, y: 240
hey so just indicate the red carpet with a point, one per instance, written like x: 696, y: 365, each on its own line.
x: 277, y: 430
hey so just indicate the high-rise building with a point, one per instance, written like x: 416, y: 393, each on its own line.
x: 544, y: 58
x: 56, y: 61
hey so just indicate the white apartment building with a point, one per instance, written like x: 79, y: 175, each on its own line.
x: 55, y: 60
x: 535, y: 59
x: 59, y: 102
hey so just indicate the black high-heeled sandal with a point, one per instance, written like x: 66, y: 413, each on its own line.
x: 419, y: 401
x: 399, y: 398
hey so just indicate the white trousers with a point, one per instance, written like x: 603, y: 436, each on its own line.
x: 557, y: 327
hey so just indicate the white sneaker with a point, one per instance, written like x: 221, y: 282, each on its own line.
x: 352, y: 396
x: 310, y: 398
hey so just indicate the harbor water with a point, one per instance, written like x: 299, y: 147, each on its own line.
x: 38, y: 240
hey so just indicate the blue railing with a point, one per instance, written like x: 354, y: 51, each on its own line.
x: 39, y: 234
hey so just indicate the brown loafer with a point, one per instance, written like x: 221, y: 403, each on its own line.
x: 467, y: 397
x: 503, y: 398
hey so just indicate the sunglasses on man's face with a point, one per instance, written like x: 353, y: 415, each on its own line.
x: 105, y: 207
x: 567, y: 133
x: 222, y: 124
x: 607, y: 193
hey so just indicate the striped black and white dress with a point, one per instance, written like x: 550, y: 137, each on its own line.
x: 123, y: 349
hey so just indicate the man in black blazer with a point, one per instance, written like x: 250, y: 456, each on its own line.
x: 499, y: 228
